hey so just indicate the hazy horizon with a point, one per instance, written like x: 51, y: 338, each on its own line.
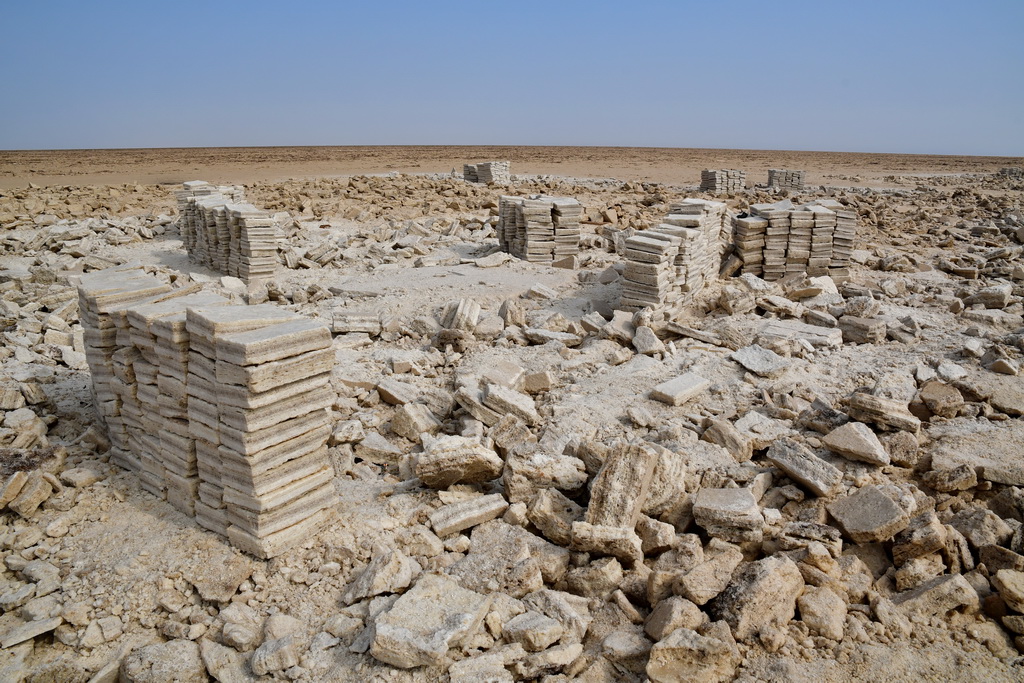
x: 915, y: 77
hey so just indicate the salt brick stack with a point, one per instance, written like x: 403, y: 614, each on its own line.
x: 220, y: 409
x: 729, y: 180
x: 494, y: 172
x: 781, y: 179
x: 201, y: 188
x: 815, y: 238
x: 469, y: 173
x: 236, y: 239
x: 539, y: 229
x: 702, y: 227
x: 649, y: 279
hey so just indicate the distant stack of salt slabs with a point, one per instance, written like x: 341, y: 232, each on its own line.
x: 469, y: 173
x: 727, y: 180
x: 273, y: 394
x: 99, y: 294
x: 781, y: 179
x: 649, y: 279
x: 776, y: 237
x: 201, y: 188
x: 236, y: 239
x: 494, y: 172
x: 748, y: 234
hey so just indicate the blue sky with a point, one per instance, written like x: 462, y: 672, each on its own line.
x: 899, y: 76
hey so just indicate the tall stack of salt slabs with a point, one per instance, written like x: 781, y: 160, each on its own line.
x: 254, y: 248
x: 566, y: 213
x: 748, y: 234
x: 99, y: 294
x: 649, y: 279
x: 274, y: 392
x: 822, y: 236
x: 798, y: 252
x: 469, y: 173
x: 776, y: 237
x: 539, y: 230
x: 202, y: 326
x: 506, y: 230
x: 158, y: 332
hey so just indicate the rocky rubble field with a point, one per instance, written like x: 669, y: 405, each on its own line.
x: 785, y: 481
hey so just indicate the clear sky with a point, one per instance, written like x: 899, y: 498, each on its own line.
x: 916, y: 76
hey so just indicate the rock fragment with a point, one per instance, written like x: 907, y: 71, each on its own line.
x: 868, y: 515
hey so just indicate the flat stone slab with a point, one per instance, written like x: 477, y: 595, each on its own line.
x: 434, y: 615
x: 868, y: 515
x: 856, y: 441
x: 678, y: 391
x: 803, y: 466
x: 760, y: 361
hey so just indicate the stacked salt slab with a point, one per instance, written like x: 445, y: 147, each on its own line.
x: 815, y: 238
x: 234, y: 238
x: 649, y: 279
x: 494, y: 172
x: 169, y: 467
x: 776, y: 237
x: 201, y: 188
x: 220, y: 409
x: 702, y: 226
x: 781, y: 179
x: 727, y: 180
x: 100, y: 295
x: 272, y: 391
x: 842, y: 236
x: 539, y: 228
x: 748, y: 236
x: 469, y: 173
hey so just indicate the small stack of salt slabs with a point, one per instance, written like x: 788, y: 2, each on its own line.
x: 158, y: 333
x: 822, y: 236
x: 273, y: 395
x: 748, y: 234
x: 566, y: 213
x: 776, y: 237
x: 99, y: 294
x: 781, y: 179
x: 649, y: 279
x: 729, y: 180
x: 493, y: 172
x: 798, y: 253
x: 469, y: 173
x: 259, y: 243
x: 539, y: 243
x: 506, y: 228
x: 203, y: 326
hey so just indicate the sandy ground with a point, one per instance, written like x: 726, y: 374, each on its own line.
x: 664, y: 165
